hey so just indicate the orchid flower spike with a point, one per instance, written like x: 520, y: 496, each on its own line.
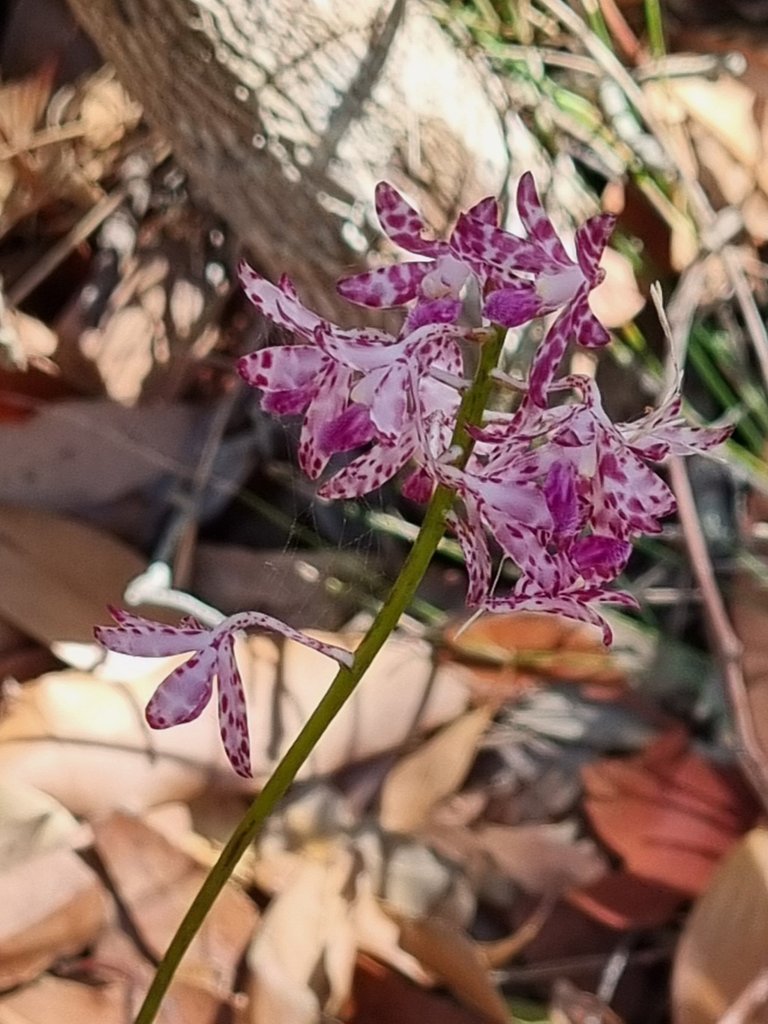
x: 184, y: 693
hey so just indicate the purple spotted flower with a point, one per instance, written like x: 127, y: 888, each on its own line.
x: 354, y: 386
x: 436, y: 283
x: 537, y: 277
x: 182, y: 696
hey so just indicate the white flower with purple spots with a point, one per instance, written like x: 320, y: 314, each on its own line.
x: 554, y: 280
x: 436, y: 283
x: 184, y: 694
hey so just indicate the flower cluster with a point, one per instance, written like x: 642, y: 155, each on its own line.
x: 558, y: 489
x: 555, y: 487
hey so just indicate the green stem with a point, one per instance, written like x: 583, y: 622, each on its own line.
x: 403, y: 590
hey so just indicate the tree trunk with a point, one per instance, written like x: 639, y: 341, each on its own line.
x: 284, y: 114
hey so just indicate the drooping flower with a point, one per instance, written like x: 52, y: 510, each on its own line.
x: 184, y: 694
x: 436, y: 283
x: 354, y: 386
x: 554, y: 280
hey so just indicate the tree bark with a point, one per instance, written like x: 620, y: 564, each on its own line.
x: 284, y: 114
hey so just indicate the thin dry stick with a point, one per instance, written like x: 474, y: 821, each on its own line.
x: 727, y: 645
x: 753, y: 998
x: 59, y: 252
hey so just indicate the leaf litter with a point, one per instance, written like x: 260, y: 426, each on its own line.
x: 495, y: 803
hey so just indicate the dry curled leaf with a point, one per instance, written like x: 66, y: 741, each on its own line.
x: 432, y: 772
x: 53, y: 907
x: 668, y: 812
x: 724, y: 940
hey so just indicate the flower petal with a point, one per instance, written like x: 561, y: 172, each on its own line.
x: 233, y: 714
x: 591, y: 239
x: 368, y: 472
x: 282, y: 367
x: 400, y: 222
x: 384, y: 287
x: 147, y: 638
x: 537, y: 223
x: 513, y: 305
x: 184, y: 693
x: 477, y: 559
x: 269, y: 624
x: 279, y: 305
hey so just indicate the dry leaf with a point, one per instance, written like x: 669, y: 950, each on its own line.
x: 725, y: 937
x: 155, y: 883
x: 303, y: 955
x: 53, y: 907
x: 381, y: 994
x: 617, y: 300
x: 447, y: 951
x: 668, y: 812
x: 432, y: 772
x: 31, y: 823
x: 57, y: 577
x: 543, y: 859
x: 507, y: 651
x: 78, y: 454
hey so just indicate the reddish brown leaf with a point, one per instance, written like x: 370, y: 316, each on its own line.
x: 381, y: 994
x: 670, y: 813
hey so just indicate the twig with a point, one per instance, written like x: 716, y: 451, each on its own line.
x: 752, y: 998
x: 59, y: 252
x: 728, y: 648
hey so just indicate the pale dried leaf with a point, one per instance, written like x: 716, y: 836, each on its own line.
x: 53, y: 906
x: 617, y: 300
x: 31, y: 823
x: 156, y: 882
x: 431, y: 773
x: 543, y: 859
x: 723, y: 945
x: 302, y: 958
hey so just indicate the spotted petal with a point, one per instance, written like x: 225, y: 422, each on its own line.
x: 233, y: 714
x: 401, y: 223
x: 384, y: 287
x: 184, y: 693
x: 591, y: 239
x: 279, y: 305
x: 537, y: 223
x: 146, y: 638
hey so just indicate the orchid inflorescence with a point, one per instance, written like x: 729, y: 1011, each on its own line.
x: 555, y: 486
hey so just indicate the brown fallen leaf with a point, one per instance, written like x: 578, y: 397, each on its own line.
x: 31, y: 823
x: 53, y: 906
x: 381, y: 994
x: 544, y: 859
x: 725, y: 937
x: 302, y: 958
x: 507, y: 652
x: 448, y: 952
x: 432, y: 772
x: 57, y: 577
x: 668, y: 812
x: 155, y: 883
